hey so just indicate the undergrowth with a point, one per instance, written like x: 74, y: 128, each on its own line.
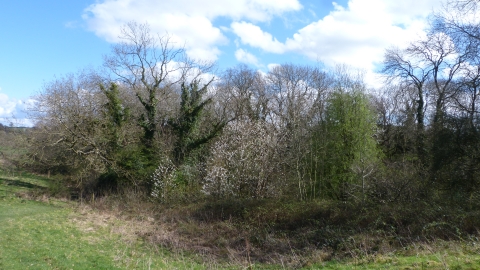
x: 43, y: 232
x: 303, y: 234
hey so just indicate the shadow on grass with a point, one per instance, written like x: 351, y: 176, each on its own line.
x: 18, y: 183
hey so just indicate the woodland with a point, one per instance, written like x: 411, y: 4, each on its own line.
x: 302, y: 157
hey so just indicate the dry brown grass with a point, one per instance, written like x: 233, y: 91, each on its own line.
x: 185, y: 228
x: 288, y: 234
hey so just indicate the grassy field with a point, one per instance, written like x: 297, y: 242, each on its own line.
x: 51, y: 234
x: 46, y: 233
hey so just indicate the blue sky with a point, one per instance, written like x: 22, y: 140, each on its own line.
x: 48, y: 38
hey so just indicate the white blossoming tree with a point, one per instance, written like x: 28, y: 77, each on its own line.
x: 243, y: 162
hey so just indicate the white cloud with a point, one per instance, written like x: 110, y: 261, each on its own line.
x: 271, y: 66
x: 189, y: 22
x: 254, y: 36
x: 246, y: 57
x: 175, y: 73
x: 13, y: 111
x: 356, y: 35
x: 7, y: 106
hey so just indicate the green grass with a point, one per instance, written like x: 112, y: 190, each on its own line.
x: 59, y: 235
x: 436, y: 261
x: 15, y: 183
x: 455, y: 255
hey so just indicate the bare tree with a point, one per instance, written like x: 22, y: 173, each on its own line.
x: 457, y: 20
x: 406, y: 67
x: 246, y: 91
x: 465, y: 5
x: 430, y: 66
x: 469, y: 95
x: 70, y: 136
x: 295, y: 89
x: 395, y: 108
x: 150, y: 65
x: 298, y: 99
x: 446, y: 57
